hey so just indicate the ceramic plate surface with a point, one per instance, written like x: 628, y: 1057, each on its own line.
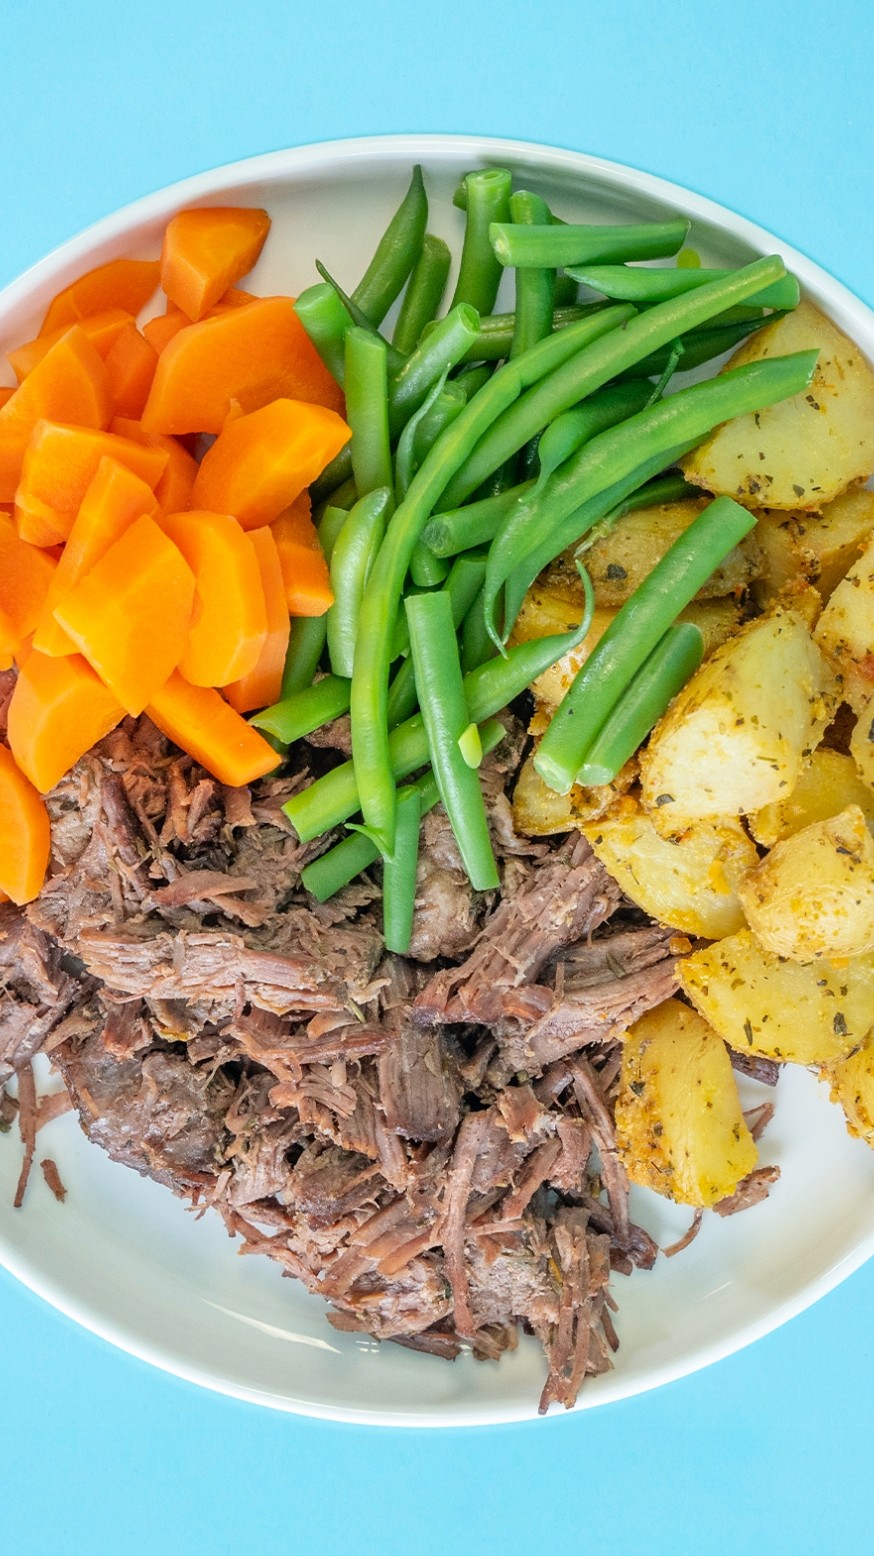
x: 128, y: 1261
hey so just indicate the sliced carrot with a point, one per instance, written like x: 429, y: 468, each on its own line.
x: 161, y: 330
x: 25, y: 579
x: 304, y: 569
x: 130, y: 614
x: 253, y: 354
x: 261, y: 462
x: 6, y: 393
x: 263, y: 685
x: 234, y: 298
x: 8, y: 640
x: 207, y: 250
x: 68, y: 385
x: 25, y: 833
x: 122, y: 283
x: 59, y: 709
x: 229, y: 620
x: 200, y: 721
x: 130, y: 368
x: 103, y: 329
x: 174, y: 489
x: 58, y: 467
x: 115, y: 499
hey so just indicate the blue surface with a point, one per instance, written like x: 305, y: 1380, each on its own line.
x: 767, y: 108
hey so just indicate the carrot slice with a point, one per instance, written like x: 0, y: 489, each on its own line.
x: 8, y: 640
x: 25, y: 834
x: 229, y: 620
x: 68, y: 385
x: 58, y: 467
x: 102, y: 329
x: 174, y: 489
x: 304, y: 569
x: 6, y: 393
x: 263, y: 685
x: 253, y: 354
x: 199, y: 720
x: 25, y: 579
x: 161, y: 330
x: 59, y: 709
x: 260, y: 463
x: 115, y: 499
x: 122, y: 283
x: 130, y: 368
x: 207, y: 250
x: 235, y: 298
x: 130, y: 614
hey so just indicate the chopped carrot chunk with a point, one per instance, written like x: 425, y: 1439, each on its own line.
x: 199, y: 720
x: 59, y: 709
x: 25, y: 833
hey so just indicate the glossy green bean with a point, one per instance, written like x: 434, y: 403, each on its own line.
x: 359, y: 318
x: 424, y: 294
x: 495, y: 337
x: 326, y: 320
x: 367, y: 411
x: 661, y: 676
x: 645, y: 284
x: 441, y: 349
x: 460, y: 529
x: 568, y: 433
x: 301, y: 712
x: 535, y: 286
x: 351, y: 562
x: 479, y: 274
x: 399, y: 874
x: 700, y: 346
x: 583, y: 243
x: 396, y: 253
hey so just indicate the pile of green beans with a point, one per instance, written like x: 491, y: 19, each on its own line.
x: 483, y: 444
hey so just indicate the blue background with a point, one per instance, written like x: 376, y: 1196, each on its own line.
x: 766, y: 107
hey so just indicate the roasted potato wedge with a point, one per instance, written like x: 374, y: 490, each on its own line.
x: 762, y: 1004
x: 690, y: 883
x: 845, y: 631
x: 852, y: 1086
x: 540, y: 812
x: 828, y: 784
x: 817, y: 546
x: 813, y: 895
x: 805, y: 451
x: 622, y: 557
x: 862, y: 744
x: 679, y: 1124
x: 740, y: 731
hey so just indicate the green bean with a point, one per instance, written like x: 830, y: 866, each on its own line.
x: 495, y: 337
x: 440, y: 688
x: 342, y: 498
x: 548, y: 518
x: 464, y: 581
x: 476, y: 644
x: 460, y: 529
x: 424, y: 293
x: 470, y: 746
x: 308, y: 634
x: 359, y: 318
x: 644, y: 284
x: 334, y: 478
x: 351, y: 563
x: 396, y: 253
x: 582, y: 243
x: 439, y: 411
x: 442, y: 348
x: 405, y: 454
x: 380, y: 606
x: 479, y: 274
x: 633, y: 634
x: 367, y: 410
x: 535, y: 287
x: 426, y: 569
x: 490, y: 687
x: 472, y: 379
x: 699, y: 346
x: 572, y: 429
x: 672, y: 487
x: 399, y: 874
x: 303, y: 711
x: 325, y: 319
x: 605, y: 359
x: 662, y: 675
x: 567, y: 293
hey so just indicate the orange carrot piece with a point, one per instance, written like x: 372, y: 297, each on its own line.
x: 130, y: 368
x: 263, y: 685
x: 6, y: 393
x: 68, y: 385
x: 25, y: 579
x: 8, y: 640
x: 174, y: 489
x: 207, y: 250
x: 234, y: 298
x: 199, y: 720
x: 103, y: 329
x: 122, y: 283
x: 115, y: 499
x: 261, y: 462
x: 25, y: 833
x: 58, y: 467
x: 229, y: 620
x: 59, y: 709
x: 130, y: 614
x: 161, y: 330
x: 253, y: 354
x: 304, y: 569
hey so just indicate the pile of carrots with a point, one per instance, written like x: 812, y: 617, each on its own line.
x: 133, y: 576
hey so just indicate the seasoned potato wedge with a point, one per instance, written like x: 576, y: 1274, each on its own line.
x: 740, y: 731
x: 688, y: 884
x: 852, y: 1087
x: 620, y: 559
x: 828, y: 784
x: 804, y: 451
x: 845, y: 630
x: 679, y: 1125
x: 762, y: 1004
x: 817, y: 546
x: 813, y: 895
x: 862, y: 744
x: 540, y: 812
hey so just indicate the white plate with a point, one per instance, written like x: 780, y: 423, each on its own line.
x: 123, y: 1257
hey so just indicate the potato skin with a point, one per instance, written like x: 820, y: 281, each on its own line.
x: 845, y: 631
x: 762, y: 1004
x: 806, y: 450
x: 679, y: 1124
x: 828, y: 784
x: 813, y: 895
x: 817, y: 546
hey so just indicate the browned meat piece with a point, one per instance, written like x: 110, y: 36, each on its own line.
x: 758, y: 1069
x: 35, y: 992
x: 419, y: 1086
x: 750, y: 1191
x: 336, y: 736
x: 326, y: 1183
x: 447, y: 909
